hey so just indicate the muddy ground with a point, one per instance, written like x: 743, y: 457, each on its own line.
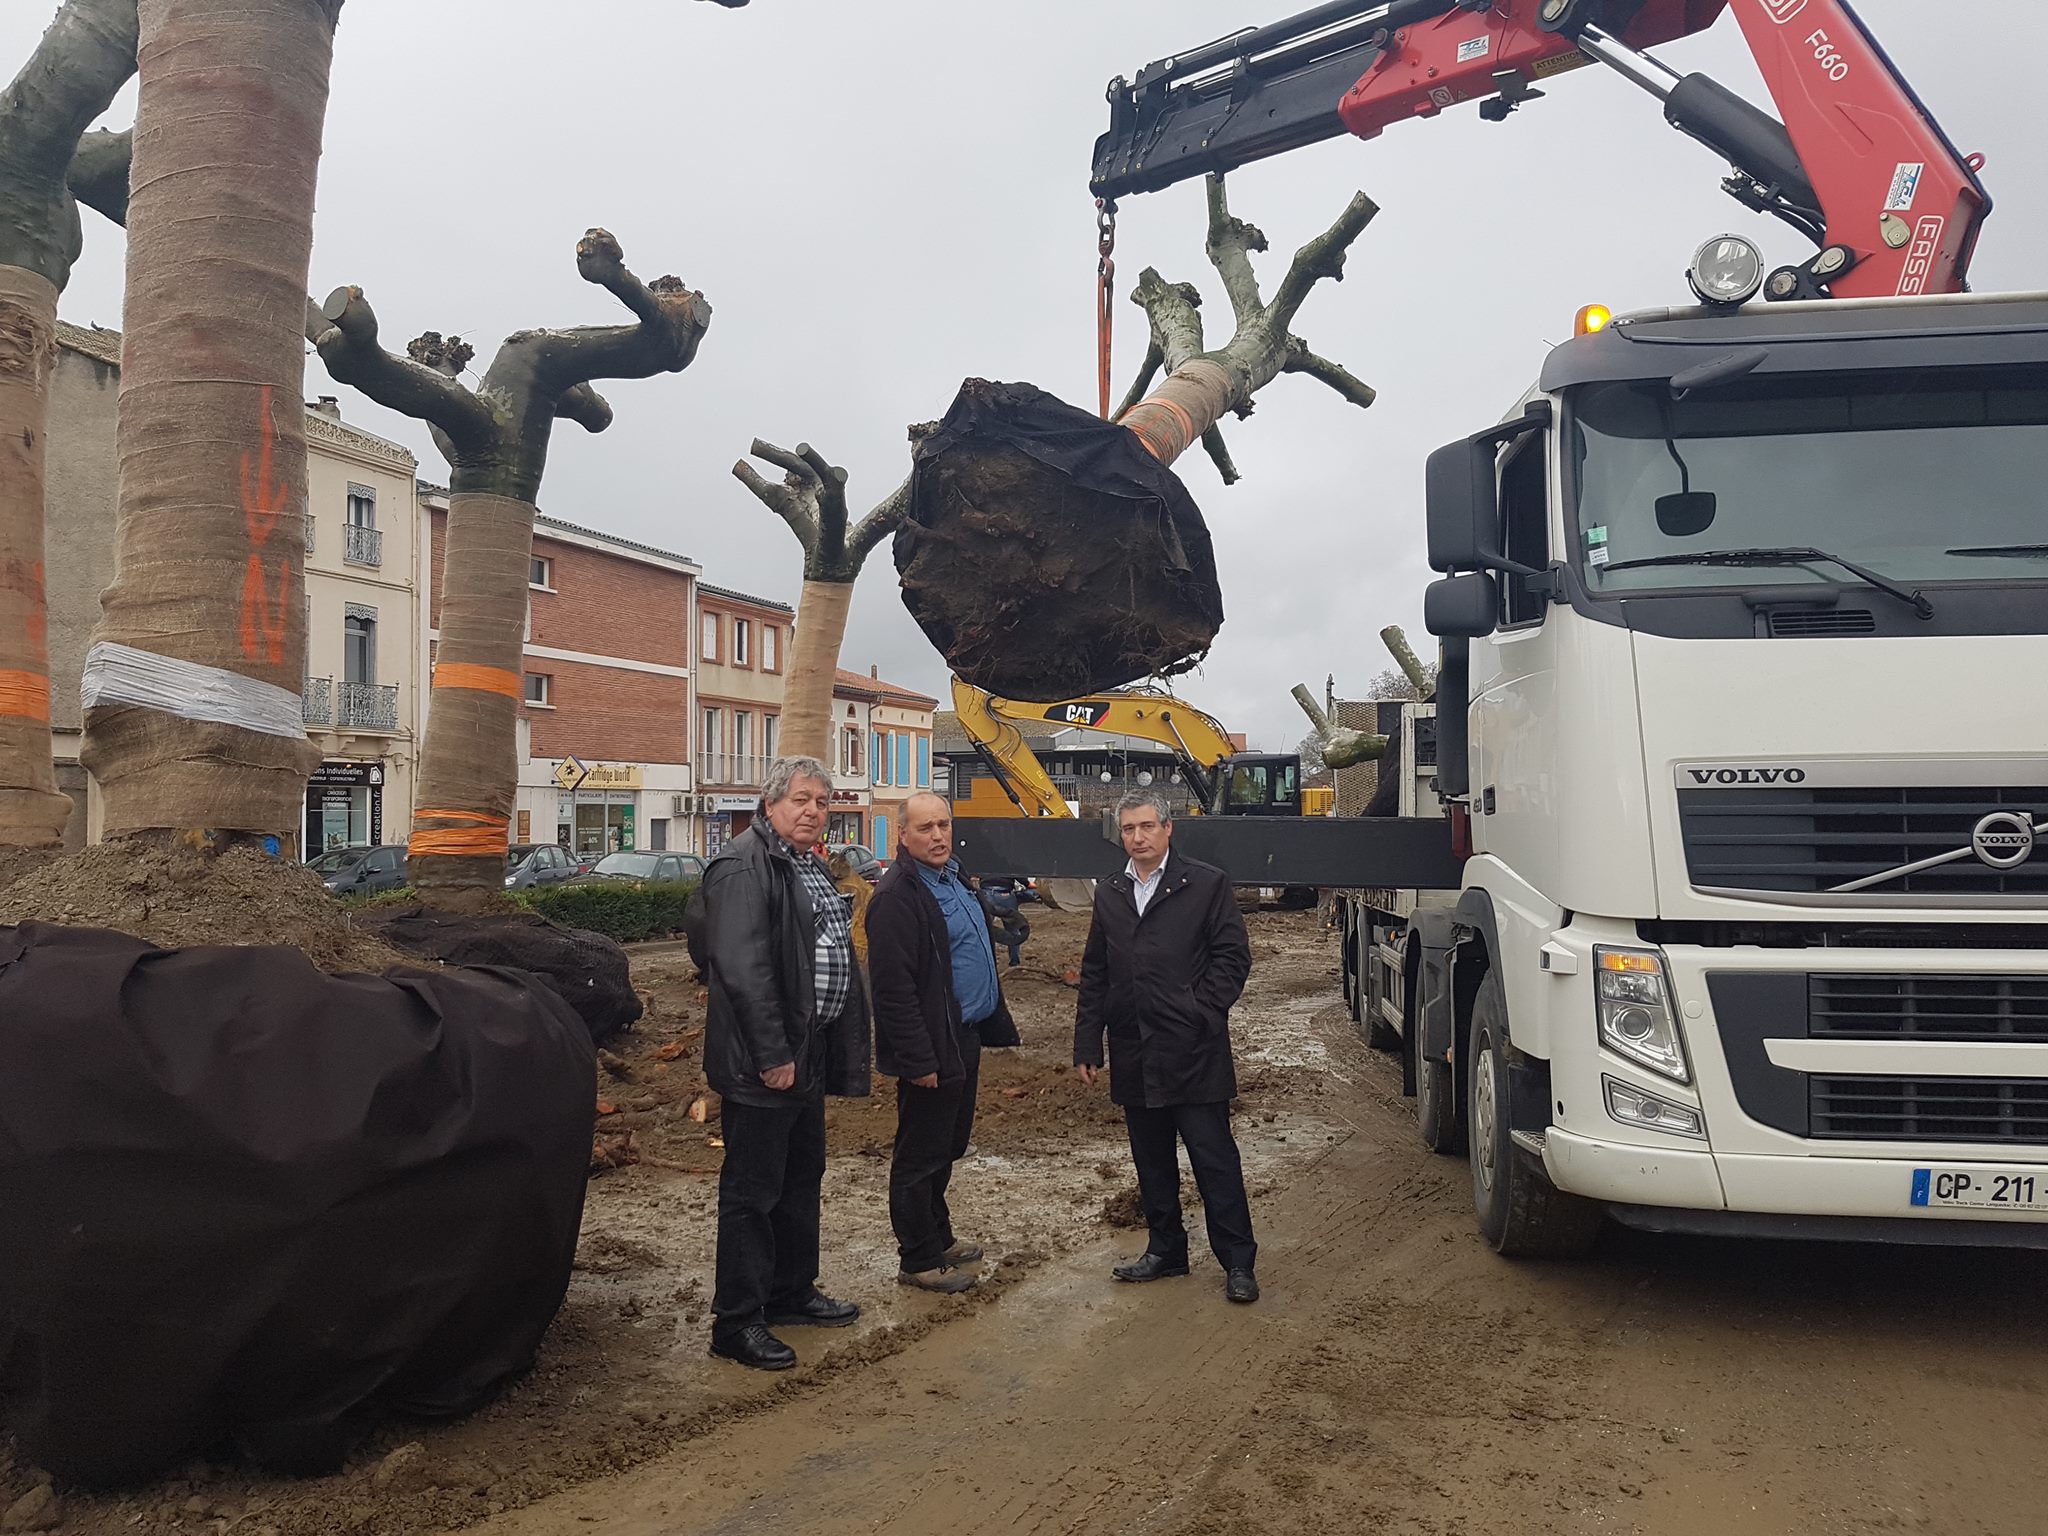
x: 1396, y: 1376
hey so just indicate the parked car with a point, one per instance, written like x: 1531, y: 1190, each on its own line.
x: 647, y: 867
x: 584, y: 863
x: 531, y: 864
x: 863, y: 860
x: 360, y: 870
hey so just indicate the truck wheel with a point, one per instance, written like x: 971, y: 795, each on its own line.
x: 1521, y: 1213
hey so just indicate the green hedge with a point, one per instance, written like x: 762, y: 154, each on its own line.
x: 617, y: 909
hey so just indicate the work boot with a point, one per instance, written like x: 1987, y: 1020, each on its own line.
x: 754, y: 1346
x: 815, y: 1311
x: 1151, y: 1266
x: 962, y: 1253
x: 1241, y: 1285
x: 943, y: 1278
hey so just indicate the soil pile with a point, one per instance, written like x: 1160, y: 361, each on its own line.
x: 178, y: 897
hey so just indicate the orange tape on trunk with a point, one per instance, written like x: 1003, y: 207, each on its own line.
x: 25, y: 696
x: 460, y: 674
x: 1165, y: 440
x: 487, y: 838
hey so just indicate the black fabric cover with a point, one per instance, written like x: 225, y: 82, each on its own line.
x: 591, y: 972
x: 242, y: 1199
x: 1047, y: 554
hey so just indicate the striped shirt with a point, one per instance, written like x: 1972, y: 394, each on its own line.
x: 832, y: 961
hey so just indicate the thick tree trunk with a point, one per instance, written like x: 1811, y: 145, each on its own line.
x: 469, y: 765
x: 814, y: 668
x: 199, y: 657
x: 81, y: 62
x: 32, y: 812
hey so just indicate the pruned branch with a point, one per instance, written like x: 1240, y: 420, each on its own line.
x: 811, y: 499
x: 1219, y: 453
x: 672, y: 321
x: 1322, y: 257
x: 1336, y: 375
x: 348, y: 345
x: 87, y: 54
x: 1174, y: 311
x: 1230, y: 244
x: 1147, y: 372
x: 886, y: 517
x: 586, y: 407
x: 99, y: 172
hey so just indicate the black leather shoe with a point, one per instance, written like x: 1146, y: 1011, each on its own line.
x: 1151, y: 1266
x: 1241, y: 1285
x: 755, y: 1346
x: 819, y: 1311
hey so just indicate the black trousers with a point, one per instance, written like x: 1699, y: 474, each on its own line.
x: 768, y: 1198
x: 1205, y: 1128
x: 932, y: 1130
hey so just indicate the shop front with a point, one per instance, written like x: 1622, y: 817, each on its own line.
x: 849, y: 819
x: 344, y: 807
x: 730, y: 816
x: 597, y: 807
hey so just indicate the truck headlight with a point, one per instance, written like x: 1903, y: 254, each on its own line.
x: 1633, y: 997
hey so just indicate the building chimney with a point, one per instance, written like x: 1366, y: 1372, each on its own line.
x: 328, y: 406
x: 875, y: 672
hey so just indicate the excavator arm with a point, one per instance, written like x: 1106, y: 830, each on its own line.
x: 993, y: 725
x: 1856, y: 163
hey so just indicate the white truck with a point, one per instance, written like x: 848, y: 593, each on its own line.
x: 1743, y: 723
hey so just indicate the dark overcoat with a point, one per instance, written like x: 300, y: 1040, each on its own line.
x: 1160, y: 987
x: 910, y: 970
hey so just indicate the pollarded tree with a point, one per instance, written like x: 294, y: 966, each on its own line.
x: 812, y: 499
x: 84, y: 58
x: 193, y: 718
x: 496, y: 442
x: 1048, y: 556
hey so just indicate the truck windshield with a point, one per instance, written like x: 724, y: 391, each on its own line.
x: 1922, y: 477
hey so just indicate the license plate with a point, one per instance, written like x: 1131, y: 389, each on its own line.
x: 2022, y: 1189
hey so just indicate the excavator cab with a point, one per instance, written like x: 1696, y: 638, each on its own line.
x: 1260, y: 784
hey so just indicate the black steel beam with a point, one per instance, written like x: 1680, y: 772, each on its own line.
x: 1339, y: 852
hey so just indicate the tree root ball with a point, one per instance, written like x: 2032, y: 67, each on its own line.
x: 1048, y: 555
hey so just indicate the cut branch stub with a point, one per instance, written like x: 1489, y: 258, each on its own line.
x: 1047, y: 554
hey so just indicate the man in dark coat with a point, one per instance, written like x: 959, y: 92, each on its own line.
x: 1167, y: 956
x: 787, y: 1025
x: 938, y: 1000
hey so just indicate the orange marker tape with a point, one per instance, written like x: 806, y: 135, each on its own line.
x: 24, y: 696
x: 458, y: 674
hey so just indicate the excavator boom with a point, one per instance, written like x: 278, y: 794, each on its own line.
x: 1856, y: 163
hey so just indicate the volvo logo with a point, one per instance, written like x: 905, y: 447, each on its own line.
x: 2004, y: 839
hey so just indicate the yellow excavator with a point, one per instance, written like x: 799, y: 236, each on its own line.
x: 1221, y: 780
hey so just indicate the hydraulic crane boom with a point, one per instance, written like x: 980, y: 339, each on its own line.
x: 1857, y: 162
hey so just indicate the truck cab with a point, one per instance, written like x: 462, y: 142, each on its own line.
x: 1744, y: 618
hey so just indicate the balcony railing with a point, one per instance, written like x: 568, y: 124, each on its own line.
x: 369, y: 706
x: 362, y: 546
x: 737, y: 768
x: 318, y: 700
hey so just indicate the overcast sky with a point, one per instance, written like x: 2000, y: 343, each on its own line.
x: 881, y: 198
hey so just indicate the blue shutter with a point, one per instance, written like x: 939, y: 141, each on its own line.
x: 881, y: 837
x: 902, y: 758
x: 924, y: 762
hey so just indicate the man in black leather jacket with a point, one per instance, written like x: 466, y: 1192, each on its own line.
x: 788, y: 1024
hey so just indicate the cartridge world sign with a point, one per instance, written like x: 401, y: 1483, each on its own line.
x: 574, y: 774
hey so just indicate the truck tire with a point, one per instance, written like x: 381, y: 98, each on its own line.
x: 1436, y: 1085
x: 1521, y: 1213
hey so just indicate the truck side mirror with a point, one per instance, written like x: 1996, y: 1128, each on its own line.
x: 1462, y: 607
x: 1463, y: 505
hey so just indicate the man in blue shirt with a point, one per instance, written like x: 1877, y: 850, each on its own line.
x: 937, y: 1002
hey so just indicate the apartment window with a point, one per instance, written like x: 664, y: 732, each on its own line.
x: 359, y: 648
x: 851, y: 746
x: 771, y: 728
x: 740, y: 631
x: 714, y: 740
x: 707, y: 640
x: 540, y: 690
x: 541, y: 573
x: 743, y: 742
x: 362, y: 506
x: 768, y: 663
x: 881, y: 757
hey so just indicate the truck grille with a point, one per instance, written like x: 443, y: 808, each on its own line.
x: 1978, y: 1109
x: 1814, y: 839
x: 1841, y: 1006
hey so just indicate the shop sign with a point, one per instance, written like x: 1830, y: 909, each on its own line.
x: 736, y: 802
x: 613, y: 776
x: 348, y: 773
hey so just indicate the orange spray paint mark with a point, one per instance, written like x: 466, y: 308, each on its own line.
x: 263, y: 503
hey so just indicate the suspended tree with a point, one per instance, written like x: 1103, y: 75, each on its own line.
x: 193, y: 718
x: 1046, y: 555
x: 811, y: 498
x: 496, y: 442
x: 84, y: 58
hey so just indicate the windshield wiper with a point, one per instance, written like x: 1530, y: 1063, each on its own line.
x: 1999, y: 549
x: 1917, y: 599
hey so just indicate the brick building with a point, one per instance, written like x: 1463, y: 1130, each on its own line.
x: 605, y: 759
x: 742, y: 649
x: 899, y: 754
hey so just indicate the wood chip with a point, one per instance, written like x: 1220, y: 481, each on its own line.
x: 700, y: 1109
x: 670, y: 1051
x: 606, y: 1107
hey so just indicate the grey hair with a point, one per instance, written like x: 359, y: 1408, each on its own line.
x: 783, y: 773
x: 1144, y: 800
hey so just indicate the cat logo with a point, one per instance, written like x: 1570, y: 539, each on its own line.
x: 1077, y: 714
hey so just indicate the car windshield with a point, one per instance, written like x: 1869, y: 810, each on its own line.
x: 340, y: 858
x: 517, y: 855
x: 634, y: 866
x: 1930, y: 476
